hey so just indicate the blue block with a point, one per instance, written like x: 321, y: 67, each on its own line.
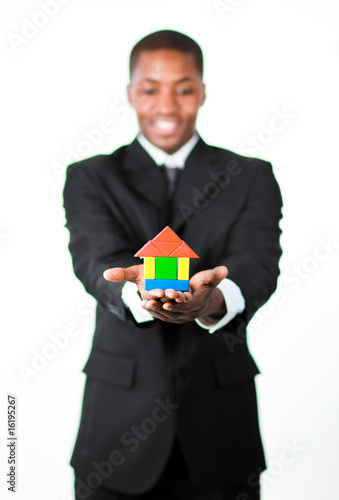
x: 180, y: 285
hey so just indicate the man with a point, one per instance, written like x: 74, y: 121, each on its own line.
x: 170, y: 404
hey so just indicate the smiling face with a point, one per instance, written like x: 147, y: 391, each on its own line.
x: 166, y: 90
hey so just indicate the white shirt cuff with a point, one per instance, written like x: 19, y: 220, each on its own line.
x: 235, y: 304
x: 132, y: 300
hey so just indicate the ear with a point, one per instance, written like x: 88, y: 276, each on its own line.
x: 130, y: 95
x: 202, y: 94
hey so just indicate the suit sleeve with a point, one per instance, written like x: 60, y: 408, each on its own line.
x: 253, y: 248
x: 97, y: 240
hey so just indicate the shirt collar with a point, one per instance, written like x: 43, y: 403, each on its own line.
x: 175, y: 160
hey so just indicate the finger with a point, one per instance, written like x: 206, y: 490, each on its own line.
x: 155, y: 309
x: 172, y: 294
x: 220, y: 272
x: 168, y: 306
x: 164, y: 315
x: 169, y: 295
x: 155, y: 294
x: 183, y: 297
x: 210, y: 277
x: 166, y: 319
x: 156, y: 314
x: 132, y: 273
x: 214, y: 276
x: 155, y: 306
x: 178, y: 296
x: 187, y: 296
x: 176, y: 308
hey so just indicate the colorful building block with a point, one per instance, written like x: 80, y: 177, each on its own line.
x: 166, y: 268
x: 167, y: 247
x: 183, y: 268
x: 167, y: 234
x: 149, y: 250
x: 184, y: 251
x: 166, y: 261
x: 180, y: 285
x: 149, y: 267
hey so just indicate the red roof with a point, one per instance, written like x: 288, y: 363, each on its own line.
x: 184, y: 251
x: 149, y: 250
x: 166, y: 244
x: 166, y: 235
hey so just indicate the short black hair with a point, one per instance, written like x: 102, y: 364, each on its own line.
x: 167, y: 39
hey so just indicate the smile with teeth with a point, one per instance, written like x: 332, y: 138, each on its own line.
x: 165, y: 125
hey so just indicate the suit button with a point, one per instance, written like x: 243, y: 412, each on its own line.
x: 177, y: 378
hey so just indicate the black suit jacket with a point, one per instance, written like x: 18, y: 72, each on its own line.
x: 147, y: 382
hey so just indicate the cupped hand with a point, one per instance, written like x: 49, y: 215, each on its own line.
x: 206, y: 299
x: 135, y: 274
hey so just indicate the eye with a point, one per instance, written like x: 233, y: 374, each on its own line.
x: 185, y: 91
x: 148, y: 91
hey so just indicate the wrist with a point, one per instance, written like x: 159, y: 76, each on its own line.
x: 216, y: 307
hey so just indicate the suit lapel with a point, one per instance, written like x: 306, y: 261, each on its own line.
x: 204, y: 209
x: 143, y: 175
x: 193, y: 212
x: 144, y: 178
x: 192, y: 180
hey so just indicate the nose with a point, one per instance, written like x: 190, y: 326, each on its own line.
x: 167, y: 102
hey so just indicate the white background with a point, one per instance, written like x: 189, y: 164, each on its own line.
x: 59, y: 81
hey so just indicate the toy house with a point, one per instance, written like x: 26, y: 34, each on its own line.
x: 166, y: 261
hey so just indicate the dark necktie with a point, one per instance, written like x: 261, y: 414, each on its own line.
x: 171, y: 178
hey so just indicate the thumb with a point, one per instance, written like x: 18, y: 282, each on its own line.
x: 209, y: 277
x: 132, y: 273
x: 219, y: 273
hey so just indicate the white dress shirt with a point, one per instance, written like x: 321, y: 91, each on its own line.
x: 233, y: 297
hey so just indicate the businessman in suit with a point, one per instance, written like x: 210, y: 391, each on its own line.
x: 170, y: 406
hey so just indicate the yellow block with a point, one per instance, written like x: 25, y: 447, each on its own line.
x: 184, y: 268
x: 149, y: 268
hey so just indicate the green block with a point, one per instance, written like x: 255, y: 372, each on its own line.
x: 166, y: 268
